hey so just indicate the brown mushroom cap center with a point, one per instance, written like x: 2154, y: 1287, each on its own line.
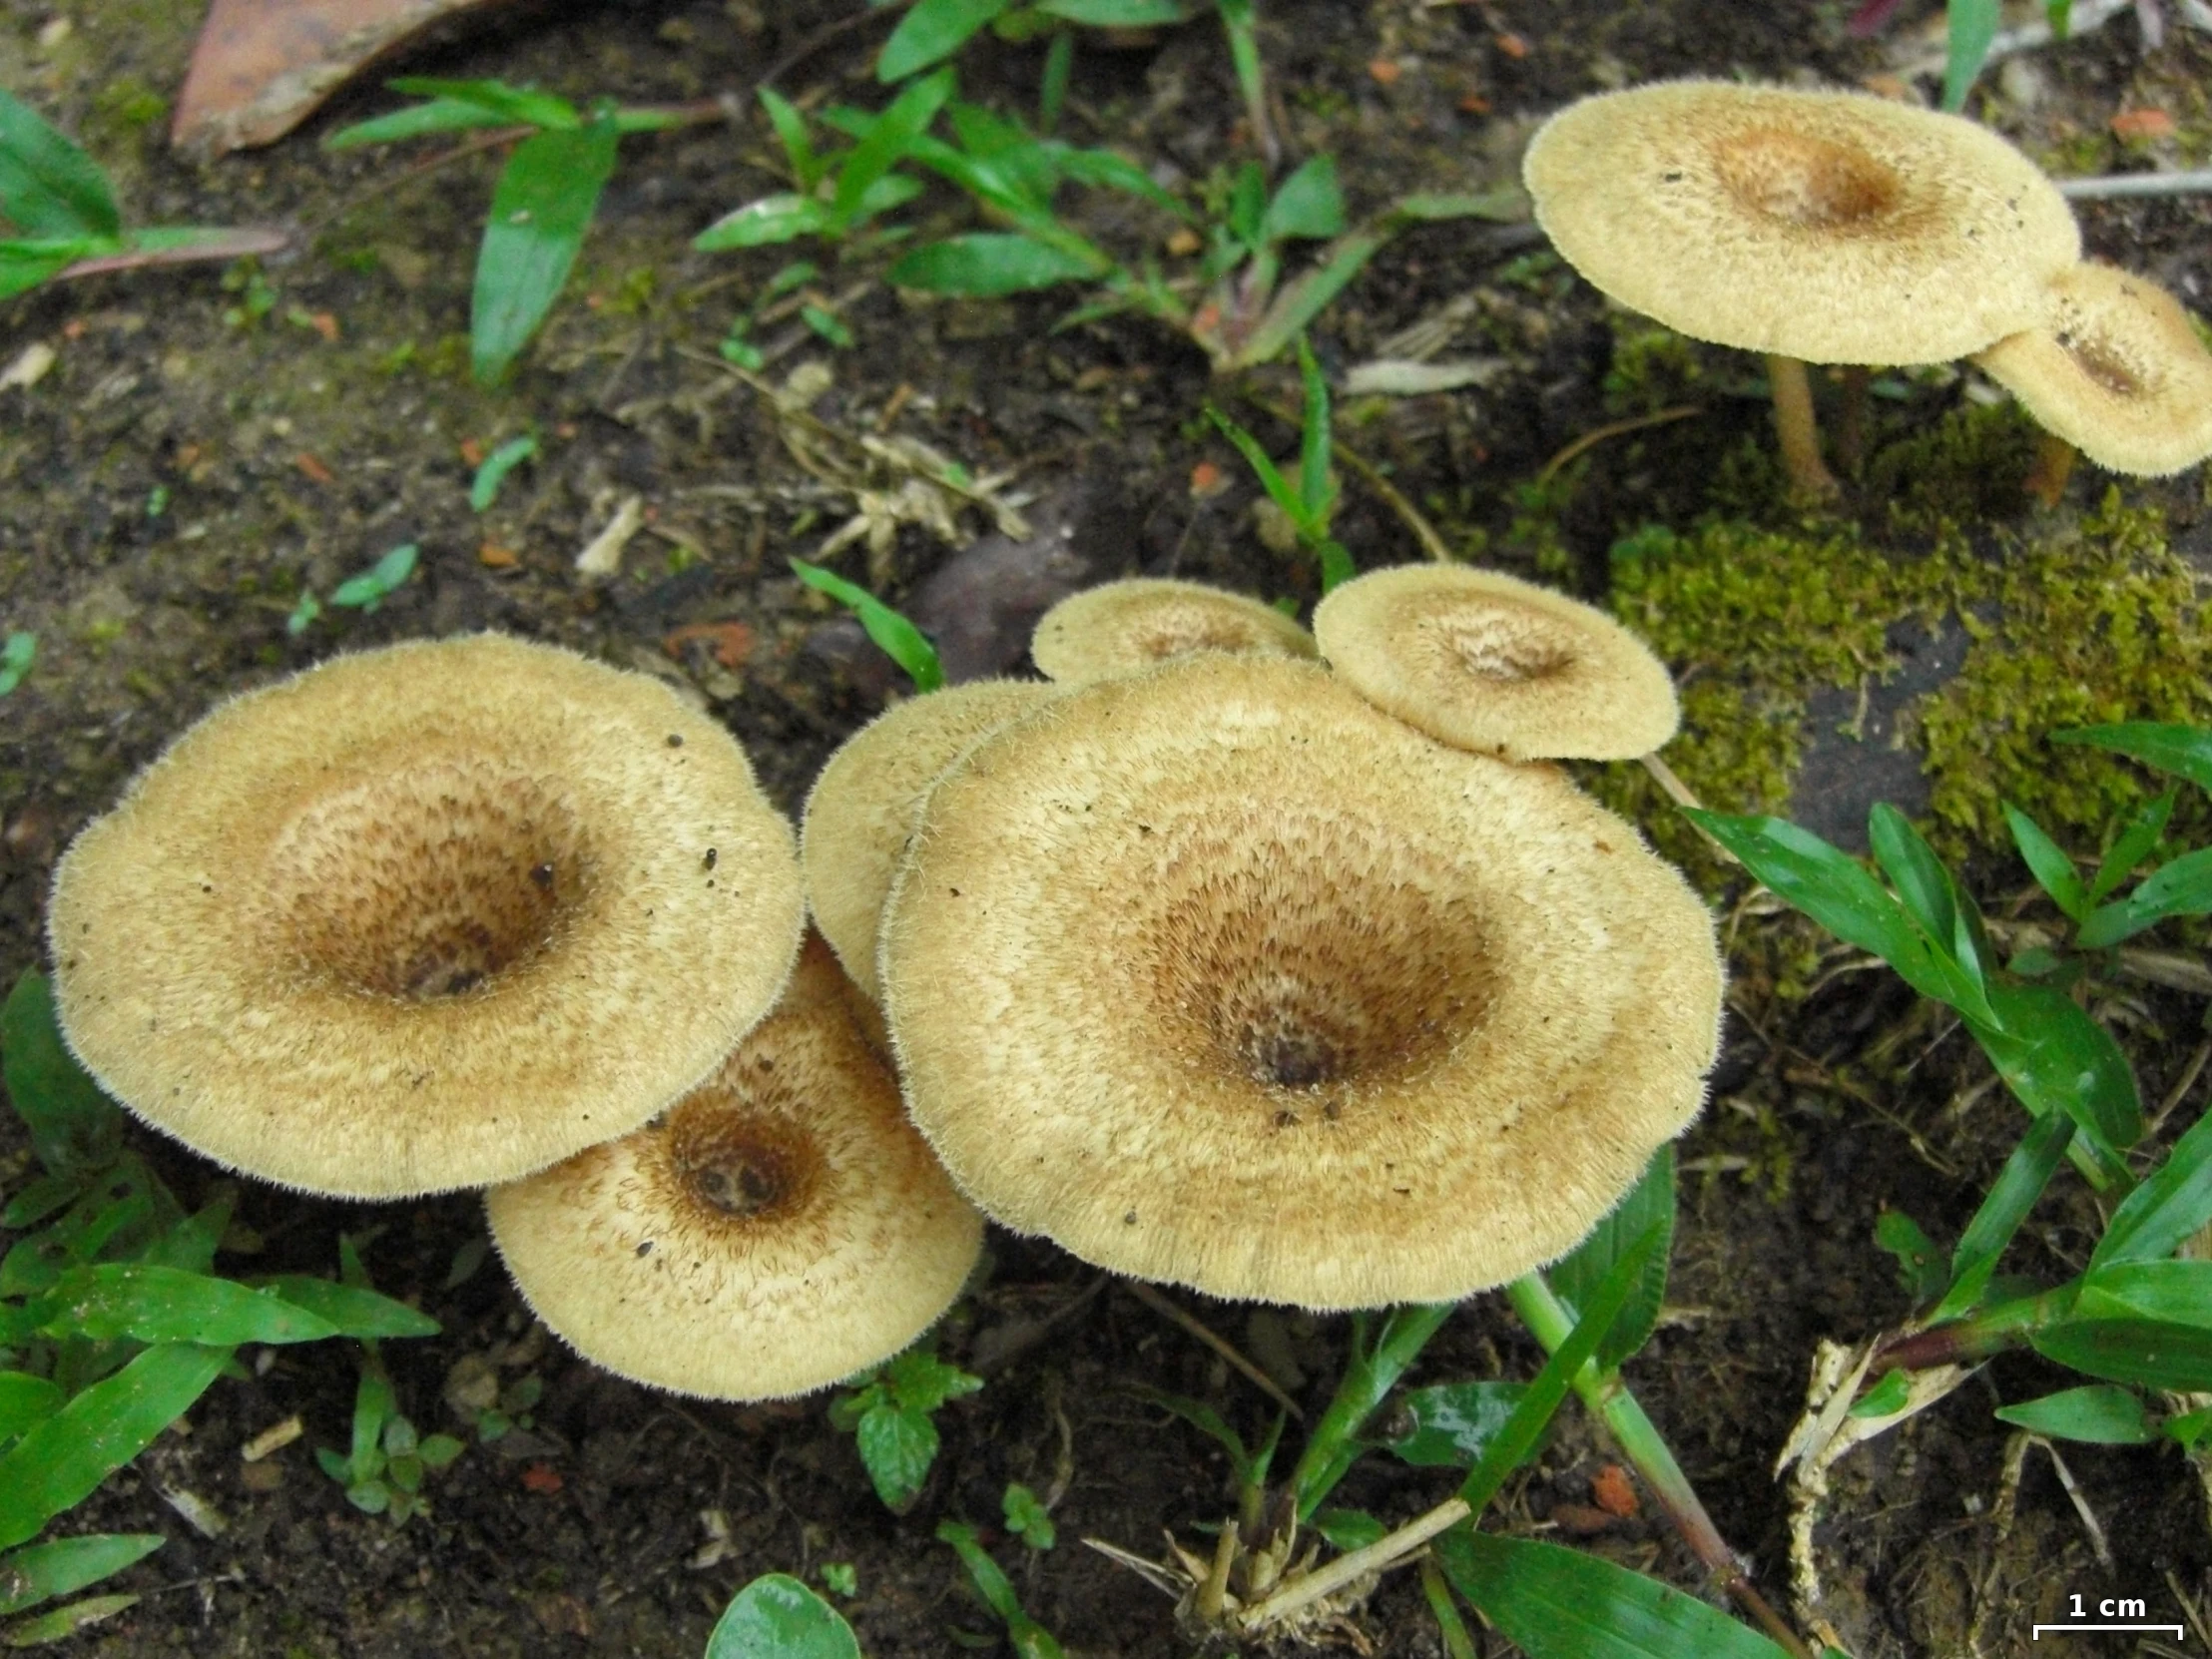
x: 2098, y: 360
x: 1283, y: 962
x: 1179, y: 635
x: 431, y: 882
x: 1504, y: 642
x: 742, y: 1166
x: 1801, y: 180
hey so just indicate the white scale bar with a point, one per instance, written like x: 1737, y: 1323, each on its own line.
x: 2038, y: 1632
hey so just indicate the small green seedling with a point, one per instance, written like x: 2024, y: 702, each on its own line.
x: 483, y: 490
x: 841, y: 1578
x: 1311, y: 505
x: 1030, y: 1640
x: 1027, y: 1518
x: 16, y: 656
x: 778, y: 1618
x: 65, y: 220
x: 364, y: 592
x: 382, y: 1469
x: 889, y: 1414
x: 540, y: 207
x: 834, y: 196
x: 112, y: 1320
x: 737, y: 345
x: 899, y: 639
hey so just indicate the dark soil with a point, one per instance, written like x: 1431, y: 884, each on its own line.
x: 175, y: 482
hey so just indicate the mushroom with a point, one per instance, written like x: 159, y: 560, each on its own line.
x: 1485, y: 661
x: 1220, y: 976
x: 781, y: 1228
x: 1813, y: 227
x: 1124, y: 626
x: 2113, y: 370
x: 861, y: 812
x: 424, y: 918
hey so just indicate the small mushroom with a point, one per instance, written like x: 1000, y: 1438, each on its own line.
x: 1220, y: 976
x: 1485, y: 661
x: 2113, y: 369
x: 1813, y: 227
x: 779, y: 1229
x: 424, y: 918
x: 862, y: 808
x: 1126, y: 627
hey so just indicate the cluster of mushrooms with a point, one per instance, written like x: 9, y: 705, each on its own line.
x: 1838, y: 228
x: 1311, y: 984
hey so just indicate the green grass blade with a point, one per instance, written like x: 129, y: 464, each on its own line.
x: 1030, y: 1639
x: 2055, y: 873
x: 2184, y: 750
x: 1971, y: 25
x: 783, y: 217
x: 790, y: 133
x: 987, y: 263
x: 1557, y: 1603
x: 1334, y: 1445
x: 65, y: 1565
x: 887, y: 140
x: 778, y: 1618
x: 1575, y: 1279
x: 1052, y: 85
x: 2173, y: 1292
x: 1316, y: 490
x: 74, y: 1127
x: 2181, y: 888
x: 1118, y: 14
x: 2100, y: 1414
x: 168, y: 1304
x: 2133, y: 844
x: 349, y: 1309
x: 2058, y: 1059
x: 48, y: 185
x: 483, y: 490
x: 894, y: 636
x: 25, y: 1400
x: 439, y: 115
x: 1278, y: 488
x: 1306, y: 297
x: 519, y: 106
x: 932, y: 31
x: 1914, y: 870
x: 2149, y: 1351
x: 2019, y: 1185
x: 540, y: 210
x: 63, y: 1460
x: 2174, y: 1200
x: 25, y: 264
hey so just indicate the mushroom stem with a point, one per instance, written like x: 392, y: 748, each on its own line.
x: 1794, y: 424
x: 2054, y: 459
x: 1549, y: 1320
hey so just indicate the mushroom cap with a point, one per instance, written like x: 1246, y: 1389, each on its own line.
x: 1831, y: 226
x: 1129, y: 626
x: 781, y: 1228
x: 1222, y: 977
x: 1485, y: 661
x: 2116, y: 370
x: 424, y: 918
x: 861, y: 808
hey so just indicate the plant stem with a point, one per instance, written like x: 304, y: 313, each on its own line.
x: 1551, y: 1322
x: 1368, y: 1378
x: 2008, y: 1324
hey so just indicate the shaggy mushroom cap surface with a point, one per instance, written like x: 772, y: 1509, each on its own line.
x: 1127, y: 627
x: 2116, y: 370
x: 1487, y: 662
x: 861, y: 808
x: 779, y: 1229
x: 1222, y: 977
x: 424, y: 918
x: 1830, y: 227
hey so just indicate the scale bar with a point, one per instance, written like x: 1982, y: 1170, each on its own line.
x: 2037, y: 1630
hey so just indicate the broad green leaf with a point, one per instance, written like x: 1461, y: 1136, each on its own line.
x: 24, y: 1401
x: 25, y: 264
x: 1348, y: 1529
x: 894, y: 636
x: 74, y: 1127
x: 778, y: 1618
x: 1308, y: 205
x: 167, y: 1305
x: 64, y: 1459
x: 2055, y: 873
x: 1920, y: 1262
x: 908, y: 118
x: 772, y: 218
x: 64, y: 1566
x: 1914, y: 870
x: 1117, y: 14
x: 35, y: 1200
x: 351, y: 1311
x: 381, y: 579
x: 17, y: 652
x: 2189, y: 1428
x: 1971, y: 26
x: 790, y: 133
x: 932, y: 31
x: 2132, y: 845
x: 917, y: 1378
x: 483, y: 490
x: 2181, y: 888
x: 61, y: 1623
x: 1518, y: 1439
x: 1507, y: 207
x: 2174, y: 1200
x: 2172, y: 1293
x: 1450, y: 1425
x: 2177, y: 1357
x: 2058, y: 1059
x: 985, y: 265
x: 1649, y: 1204
x: 2184, y: 750
x: 897, y: 1445
x: 49, y: 187
x: 1886, y: 1397
x: 2014, y: 1192
x: 1557, y: 1603
x: 519, y: 105
x: 1247, y: 204
x: 540, y: 210
x: 439, y: 115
